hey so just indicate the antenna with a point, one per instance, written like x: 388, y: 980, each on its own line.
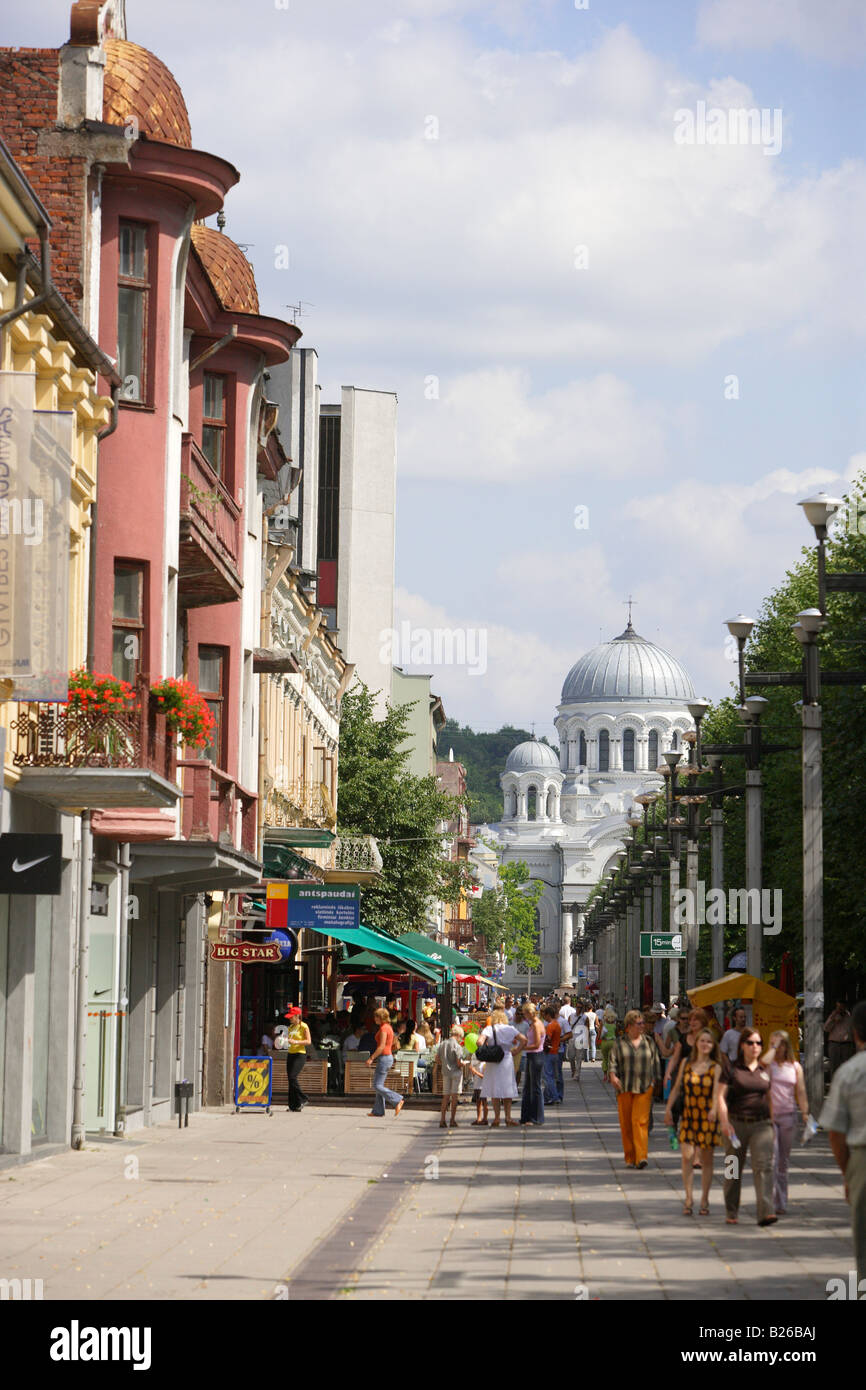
x: 298, y: 309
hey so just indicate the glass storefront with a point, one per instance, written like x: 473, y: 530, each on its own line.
x: 41, y: 1016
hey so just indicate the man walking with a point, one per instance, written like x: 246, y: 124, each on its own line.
x: 731, y: 1039
x: 838, y: 1030
x: 634, y: 1070
x: 844, y: 1117
x: 554, y: 1092
x: 592, y: 1030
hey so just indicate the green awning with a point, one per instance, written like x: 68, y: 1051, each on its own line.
x: 440, y: 954
x: 369, y: 939
x: 374, y: 960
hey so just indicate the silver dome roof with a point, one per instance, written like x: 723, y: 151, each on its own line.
x: 628, y: 668
x: 531, y: 754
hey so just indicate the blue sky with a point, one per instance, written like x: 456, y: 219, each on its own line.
x: 558, y: 386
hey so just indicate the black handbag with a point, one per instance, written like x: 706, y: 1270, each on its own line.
x: 490, y: 1052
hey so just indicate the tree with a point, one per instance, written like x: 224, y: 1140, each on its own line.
x: 773, y: 646
x: 505, y: 915
x: 377, y: 796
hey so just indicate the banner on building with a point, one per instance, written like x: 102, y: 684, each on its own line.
x: 35, y: 473
x: 245, y: 952
x: 253, y: 1081
x: 31, y: 864
x: 315, y: 905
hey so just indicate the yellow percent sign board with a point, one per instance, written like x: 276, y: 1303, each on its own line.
x: 252, y: 1083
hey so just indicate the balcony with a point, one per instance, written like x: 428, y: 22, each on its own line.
x: 210, y: 534
x: 353, y: 859
x: 77, y: 760
x: 216, y: 809
x: 299, y: 804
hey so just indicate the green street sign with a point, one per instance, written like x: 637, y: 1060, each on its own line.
x: 666, y: 944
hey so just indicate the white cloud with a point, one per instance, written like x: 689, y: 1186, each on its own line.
x: 488, y: 426
x: 831, y: 29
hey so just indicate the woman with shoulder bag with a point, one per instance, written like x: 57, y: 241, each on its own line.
x: 495, y: 1044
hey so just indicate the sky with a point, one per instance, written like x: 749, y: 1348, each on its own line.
x: 623, y: 346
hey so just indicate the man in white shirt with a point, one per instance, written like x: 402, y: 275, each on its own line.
x: 731, y: 1039
x: 844, y: 1117
x: 580, y: 1036
x: 565, y: 1018
x: 592, y: 1030
x: 509, y: 1008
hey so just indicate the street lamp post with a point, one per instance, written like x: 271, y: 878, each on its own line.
x: 806, y: 629
x: 752, y: 709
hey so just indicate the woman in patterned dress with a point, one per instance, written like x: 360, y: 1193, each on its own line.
x: 698, y: 1077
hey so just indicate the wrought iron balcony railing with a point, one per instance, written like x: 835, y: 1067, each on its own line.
x: 49, y: 735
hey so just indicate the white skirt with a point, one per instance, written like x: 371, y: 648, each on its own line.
x: 498, y: 1081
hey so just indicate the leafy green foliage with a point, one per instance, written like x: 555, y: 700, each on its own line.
x: 773, y: 647
x: 377, y: 796
x: 505, y: 916
x: 483, y: 756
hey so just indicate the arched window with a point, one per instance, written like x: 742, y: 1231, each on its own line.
x: 532, y: 804
x: 628, y: 751
x: 510, y: 804
x: 653, y: 749
x: 551, y: 802
x: 675, y: 740
x: 604, y: 751
x: 581, y: 750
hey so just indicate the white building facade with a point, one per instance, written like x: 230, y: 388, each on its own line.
x: 624, y: 704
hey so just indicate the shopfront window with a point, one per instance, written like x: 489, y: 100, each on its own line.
x: 41, y: 1016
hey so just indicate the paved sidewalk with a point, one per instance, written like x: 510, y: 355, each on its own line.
x: 554, y: 1213
x: 331, y: 1204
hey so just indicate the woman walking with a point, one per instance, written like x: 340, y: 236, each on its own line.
x: 746, y: 1113
x: 532, y: 1100
x: 634, y: 1069
x: 788, y: 1092
x: 499, y: 1084
x: 453, y: 1058
x: 698, y: 1079
x: 608, y: 1040
x: 298, y: 1040
x: 383, y: 1061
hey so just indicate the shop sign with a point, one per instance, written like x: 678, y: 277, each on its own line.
x: 253, y: 1079
x: 31, y: 864
x: 315, y: 905
x: 245, y: 951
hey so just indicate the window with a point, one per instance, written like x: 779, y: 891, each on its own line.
x: 133, y: 289
x: 211, y: 684
x: 531, y: 804
x: 628, y: 751
x: 127, y: 623
x: 581, y: 750
x: 604, y: 751
x: 214, y: 423
x: 675, y: 740
x: 653, y: 750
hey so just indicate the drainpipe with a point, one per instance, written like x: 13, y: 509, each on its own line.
x: 83, y: 981
x: 94, y: 515
x: 123, y: 1006
x: 284, y: 559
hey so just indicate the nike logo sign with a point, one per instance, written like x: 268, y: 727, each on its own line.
x: 31, y: 863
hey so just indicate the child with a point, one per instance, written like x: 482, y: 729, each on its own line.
x: 476, y: 1070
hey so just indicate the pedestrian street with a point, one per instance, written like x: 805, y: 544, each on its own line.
x: 333, y: 1204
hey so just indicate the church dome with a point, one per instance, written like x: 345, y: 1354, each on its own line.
x: 628, y: 668
x: 138, y: 85
x: 228, y: 270
x: 532, y: 755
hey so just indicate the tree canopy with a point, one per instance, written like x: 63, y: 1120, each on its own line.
x: 377, y: 796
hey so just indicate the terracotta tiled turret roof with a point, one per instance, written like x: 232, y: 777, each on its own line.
x: 228, y: 270
x: 138, y: 84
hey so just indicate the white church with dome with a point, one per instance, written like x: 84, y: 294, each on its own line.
x: 624, y: 703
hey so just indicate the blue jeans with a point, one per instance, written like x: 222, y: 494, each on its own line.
x: 553, y: 1087
x: 592, y: 1044
x: 383, y: 1097
x: 532, y: 1101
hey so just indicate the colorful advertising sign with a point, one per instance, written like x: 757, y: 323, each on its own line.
x: 253, y: 1083
x: 312, y: 905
